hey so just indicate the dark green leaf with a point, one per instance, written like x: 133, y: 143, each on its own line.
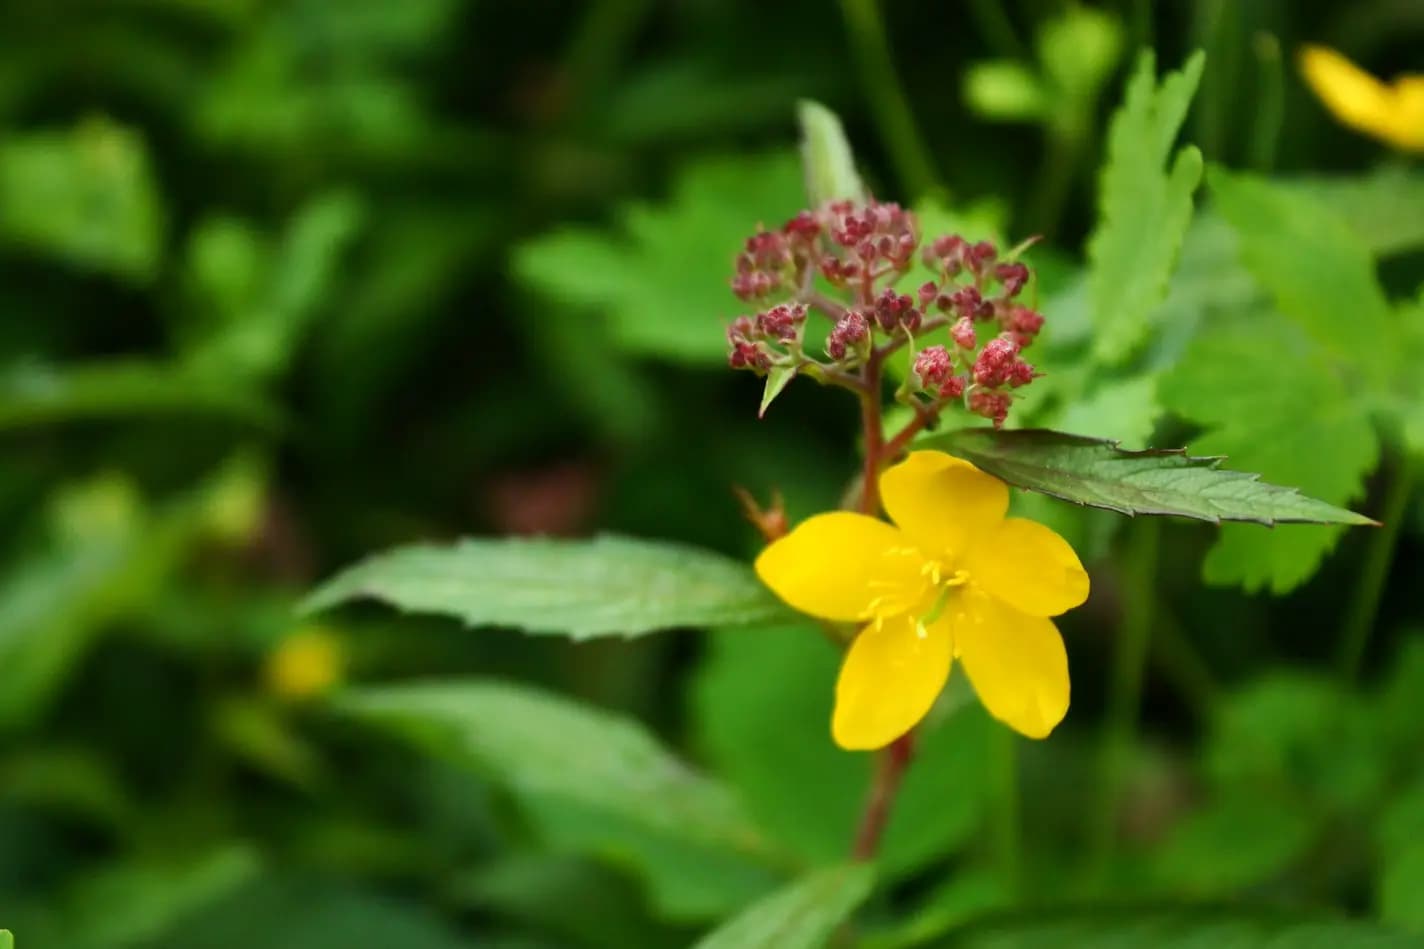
x: 1400, y: 885
x: 803, y: 915
x: 1316, y: 268
x: 607, y: 586
x: 1097, y: 473
x: 1239, y: 841
x: 1143, y: 212
x: 828, y: 162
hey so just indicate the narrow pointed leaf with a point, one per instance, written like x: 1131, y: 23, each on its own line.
x: 829, y: 164
x: 581, y: 588
x: 1097, y: 473
x: 776, y: 380
x: 802, y: 915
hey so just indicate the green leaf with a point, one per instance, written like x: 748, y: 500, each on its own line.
x: 1143, y: 213
x: 828, y: 162
x: 776, y: 380
x: 1316, y: 269
x: 1184, y: 928
x: 1236, y: 842
x: 761, y: 704
x: 1123, y: 410
x: 550, y: 751
x: 1384, y: 207
x: 1097, y: 473
x: 1079, y: 49
x: 1270, y: 398
x: 803, y: 915
x: 662, y: 282
x: 607, y: 586
x: 85, y: 195
x: 43, y: 395
x: 7, y: 939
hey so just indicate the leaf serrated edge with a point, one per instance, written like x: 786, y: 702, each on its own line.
x: 1194, y: 461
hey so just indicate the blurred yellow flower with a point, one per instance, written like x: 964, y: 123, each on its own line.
x: 305, y: 664
x: 954, y: 579
x: 1393, y: 112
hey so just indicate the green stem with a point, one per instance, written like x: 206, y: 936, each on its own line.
x: 1008, y: 839
x: 889, y: 105
x: 998, y: 32
x: 1364, y: 605
x: 1125, y: 695
x: 1270, y: 102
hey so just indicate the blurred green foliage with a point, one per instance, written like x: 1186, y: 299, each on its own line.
x: 287, y: 282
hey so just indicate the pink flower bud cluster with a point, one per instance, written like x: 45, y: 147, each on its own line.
x: 862, y: 250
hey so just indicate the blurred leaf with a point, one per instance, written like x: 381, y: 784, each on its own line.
x: 7, y: 939
x: 1142, y: 213
x: 685, y: 880
x: 664, y: 286
x: 608, y: 586
x: 1384, y: 207
x: 828, y: 163
x: 86, y: 195
x: 1400, y: 885
x: 1004, y: 90
x: 544, y: 746
x: 42, y: 395
x: 73, y: 781
x: 965, y: 895
x: 107, y: 558
x: 1237, y: 841
x: 803, y: 915
x: 596, y: 907
x: 1097, y: 473
x: 1401, y: 824
x: 1079, y: 49
x: 1123, y: 410
x: 130, y: 903
x: 280, y: 911
x: 762, y: 707
x: 1271, y: 399
x: 1296, y: 736
x: 690, y: 97
x: 268, y: 304
x: 1318, y: 271
x: 1185, y: 928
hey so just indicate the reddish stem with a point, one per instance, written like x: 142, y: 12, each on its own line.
x: 889, y: 771
x: 874, y: 437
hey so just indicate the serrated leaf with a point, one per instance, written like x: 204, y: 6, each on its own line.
x: 777, y: 379
x: 828, y: 163
x: 803, y: 915
x: 662, y: 279
x: 761, y: 703
x: 1270, y: 398
x: 1143, y: 213
x: 1097, y: 473
x: 607, y: 586
x: 1315, y: 267
x: 547, y: 747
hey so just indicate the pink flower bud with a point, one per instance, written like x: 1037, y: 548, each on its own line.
x: 990, y: 405
x: 933, y: 366
x: 962, y: 332
x: 927, y: 292
x: 953, y: 388
x: 995, y: 362
x: 1013, y: 276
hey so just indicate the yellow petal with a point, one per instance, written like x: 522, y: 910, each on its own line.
x: 1408, y: 131
x: 1029, y: 567
x: 942, y: 502
x: 835, y: 565
x: 890, y: 678
x: 1016, y: 663
x: 1352, y: 95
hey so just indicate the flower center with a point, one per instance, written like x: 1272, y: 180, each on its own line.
x: 921, y: 586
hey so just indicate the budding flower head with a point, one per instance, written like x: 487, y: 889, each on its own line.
x: 933, y: 366
x: 849, y: 332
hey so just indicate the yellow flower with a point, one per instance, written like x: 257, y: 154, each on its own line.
x: 305, y: 664
x: 1393, y: 111
x: 955, y: 579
